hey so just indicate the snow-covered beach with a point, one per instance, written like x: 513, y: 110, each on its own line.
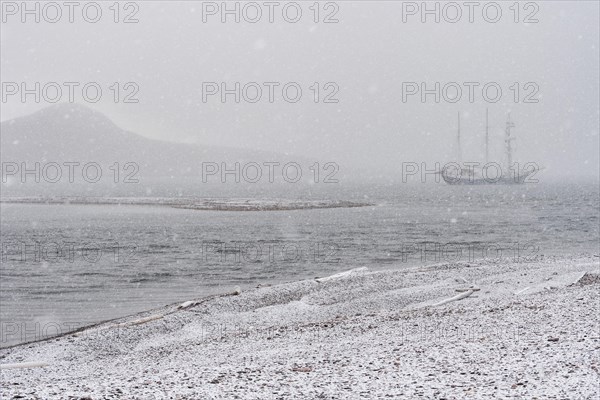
x: 467, y: 330
x: 299, y: 200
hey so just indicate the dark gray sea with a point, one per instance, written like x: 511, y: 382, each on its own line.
x: 65, y: 266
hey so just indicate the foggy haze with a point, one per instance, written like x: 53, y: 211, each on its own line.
x: 368, y: 54
x: 299, y: 199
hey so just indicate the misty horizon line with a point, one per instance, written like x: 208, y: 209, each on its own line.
x: 351, y: 170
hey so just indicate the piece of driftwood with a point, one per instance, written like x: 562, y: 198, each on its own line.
x: 120, y: 325
x: 466, y: 289
x: 31, y: 364
x: 459, y: 296
x: 523, y: 290
x: 342, y: 275
x: 187, y: 304
x: 144, y: 320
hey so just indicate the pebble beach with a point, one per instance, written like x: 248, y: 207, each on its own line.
x: 482, y: 330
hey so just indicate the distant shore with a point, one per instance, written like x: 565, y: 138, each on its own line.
x: 479, y: 329
x: 203, y: 204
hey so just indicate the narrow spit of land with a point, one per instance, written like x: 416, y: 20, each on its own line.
x: 193, y: 203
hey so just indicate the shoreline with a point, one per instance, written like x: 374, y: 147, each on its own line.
x: 352, y: 326
x: 175, y: 306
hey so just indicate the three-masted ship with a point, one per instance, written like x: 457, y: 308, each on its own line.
x: 456, y: 174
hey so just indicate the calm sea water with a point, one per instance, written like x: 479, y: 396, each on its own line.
x: 71, y: 265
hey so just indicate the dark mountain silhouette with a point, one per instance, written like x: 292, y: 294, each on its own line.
x: 75, y: 133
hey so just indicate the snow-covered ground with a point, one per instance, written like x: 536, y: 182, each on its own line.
x: 465, y: 330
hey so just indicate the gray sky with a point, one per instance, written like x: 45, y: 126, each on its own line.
x: 369, y: 53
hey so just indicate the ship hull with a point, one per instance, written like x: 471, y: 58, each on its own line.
x: 514, y: 180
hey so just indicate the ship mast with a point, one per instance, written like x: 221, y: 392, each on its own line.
x: 487, y: 136
x: 458, y: 140
x: 508, y: 140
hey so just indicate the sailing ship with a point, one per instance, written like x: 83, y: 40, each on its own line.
x: 456, y: 174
